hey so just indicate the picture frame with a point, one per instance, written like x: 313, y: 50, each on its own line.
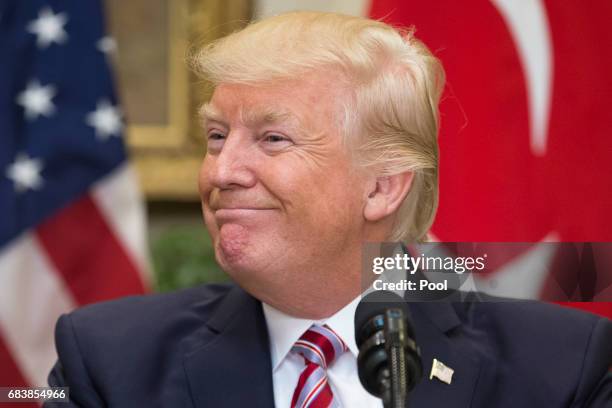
x: 160, y: 95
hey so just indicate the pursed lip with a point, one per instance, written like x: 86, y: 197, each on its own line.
x: 234, y: 212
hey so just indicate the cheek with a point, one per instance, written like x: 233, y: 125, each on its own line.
x: 211, y: 225
x: 328, y: 201
x: 205, y: 189
x: 203, y: 178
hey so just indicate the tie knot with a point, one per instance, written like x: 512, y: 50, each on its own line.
x: 319, y: 345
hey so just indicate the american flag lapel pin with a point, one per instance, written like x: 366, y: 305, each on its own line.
x: 441, y: 372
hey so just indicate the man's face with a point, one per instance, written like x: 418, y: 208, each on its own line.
x: 280, y: 195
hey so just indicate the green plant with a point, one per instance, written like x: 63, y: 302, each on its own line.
x: 184, y: 257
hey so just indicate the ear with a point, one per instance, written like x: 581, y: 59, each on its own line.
x: 386, y: 195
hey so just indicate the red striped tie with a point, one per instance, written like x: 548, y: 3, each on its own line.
x: 319, y: 346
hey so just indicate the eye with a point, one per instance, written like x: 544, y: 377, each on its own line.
x: 215, y: 140
x: 272, y: 138
x: 215, y: 136
x: 275, y: 142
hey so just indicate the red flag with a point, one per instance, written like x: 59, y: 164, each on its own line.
x: 526, y: 151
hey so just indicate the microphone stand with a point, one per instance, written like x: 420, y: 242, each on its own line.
x: 395, y: 390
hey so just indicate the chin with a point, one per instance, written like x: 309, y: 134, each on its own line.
x: 234, y: 251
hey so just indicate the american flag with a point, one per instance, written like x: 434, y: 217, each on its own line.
x: 72, y: 222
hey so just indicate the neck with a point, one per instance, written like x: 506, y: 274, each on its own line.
x: 320, y: 291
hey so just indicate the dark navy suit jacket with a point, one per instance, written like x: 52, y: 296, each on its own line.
x: 208, y: 347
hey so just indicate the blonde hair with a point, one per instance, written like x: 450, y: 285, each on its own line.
x: 395, y: 85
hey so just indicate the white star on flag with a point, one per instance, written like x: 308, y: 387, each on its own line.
x: 106, y: 119
x: 107, y: 45
x: 36, y: 100
x: 25, y: 173
x: 49, y: 28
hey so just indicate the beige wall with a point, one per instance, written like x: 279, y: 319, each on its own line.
x: 264, y: 8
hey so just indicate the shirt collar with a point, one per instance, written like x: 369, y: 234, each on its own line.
x: 285, y: 330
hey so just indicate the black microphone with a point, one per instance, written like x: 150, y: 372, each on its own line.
x: 389, y: 362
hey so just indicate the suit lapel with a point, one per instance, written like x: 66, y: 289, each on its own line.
x: 227, y: 363
x: 441, y: 335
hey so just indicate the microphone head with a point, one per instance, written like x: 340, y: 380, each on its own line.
x: 373, y: 363
x: 369, y: 315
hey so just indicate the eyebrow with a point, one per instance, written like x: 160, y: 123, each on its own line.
x: 208, y: 112
x: 251, y: 117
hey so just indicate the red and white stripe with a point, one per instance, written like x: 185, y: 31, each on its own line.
x: 320, y: 346
x: 92, y: 250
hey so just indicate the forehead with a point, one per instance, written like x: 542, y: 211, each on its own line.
x: 249, y: 115
x: 310, y: 102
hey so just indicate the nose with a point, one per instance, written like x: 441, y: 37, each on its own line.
x: 232, y: 166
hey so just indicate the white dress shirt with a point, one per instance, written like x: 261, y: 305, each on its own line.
x: 285, y: 330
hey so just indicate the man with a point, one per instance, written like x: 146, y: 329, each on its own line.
x: 321, y: 136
